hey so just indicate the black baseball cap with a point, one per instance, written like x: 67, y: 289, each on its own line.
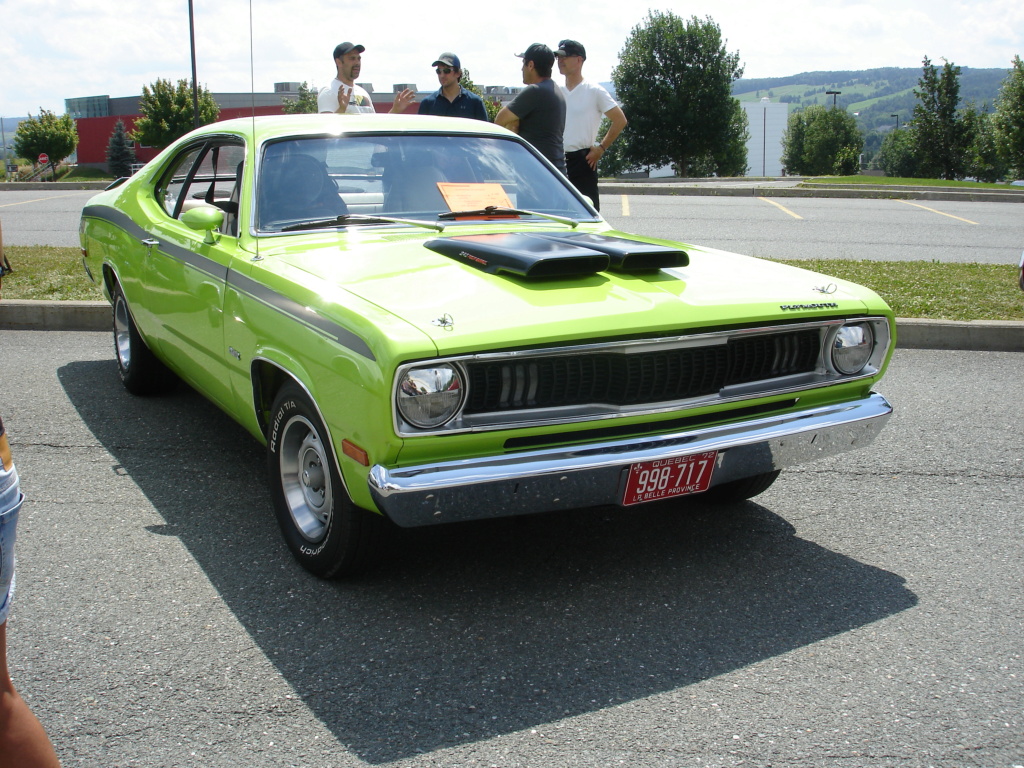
x: 342, y: 48
x: 539, y: 54
x: 571, y: 48
x: 449, y: 59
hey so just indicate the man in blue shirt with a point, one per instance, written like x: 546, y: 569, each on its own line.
x: 451, y: 99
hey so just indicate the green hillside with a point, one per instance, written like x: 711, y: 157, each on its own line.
x: 876, y: 94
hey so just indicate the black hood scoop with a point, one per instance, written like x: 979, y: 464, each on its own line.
x: 532, y: 255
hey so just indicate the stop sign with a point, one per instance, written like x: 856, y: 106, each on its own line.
x: 43, y: 158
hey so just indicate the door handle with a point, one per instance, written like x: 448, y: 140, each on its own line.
x: 149, y: 243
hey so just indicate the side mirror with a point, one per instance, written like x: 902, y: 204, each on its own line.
x: 204, y: 219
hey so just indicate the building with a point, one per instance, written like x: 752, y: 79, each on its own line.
x: 767, y: 123
x: 96, y: 116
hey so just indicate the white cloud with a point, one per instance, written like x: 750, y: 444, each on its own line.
x: 89, y: 47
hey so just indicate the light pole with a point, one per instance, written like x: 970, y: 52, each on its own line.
x: 897, y: 116
x: 195, y: 85
x: 833, y: 94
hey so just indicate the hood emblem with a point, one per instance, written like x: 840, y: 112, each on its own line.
x: 445, y: 321
x: 819, y: 305
x: 826, y: 289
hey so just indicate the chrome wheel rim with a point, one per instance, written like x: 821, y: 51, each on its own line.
x: 306, y: 478
x: 122, y: 333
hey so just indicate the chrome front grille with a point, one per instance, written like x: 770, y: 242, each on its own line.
x: 626, y: 378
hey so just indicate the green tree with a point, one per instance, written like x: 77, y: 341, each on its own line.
x: 167, y: 112
x: 793, y: 143
x: 822, y: 141
x: 898, y: 154
x: 120, y: 155
x: 1009, y: 119
x: 731, y: 159
x: 940, y: 128
x: 492, y: 106
x: 612, y: 162
x: 674, y: 80
x: 47, y: 134
x: 984, y: 161
x: 306, y: 104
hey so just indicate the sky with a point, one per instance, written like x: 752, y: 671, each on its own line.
x: 58, y: 49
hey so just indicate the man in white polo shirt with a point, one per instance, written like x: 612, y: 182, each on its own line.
x: 586, y: 103
x: 344, y: 96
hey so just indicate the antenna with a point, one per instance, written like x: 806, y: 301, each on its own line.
x: 252, y: 97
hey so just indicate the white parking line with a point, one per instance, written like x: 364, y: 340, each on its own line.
x: 625, y: 205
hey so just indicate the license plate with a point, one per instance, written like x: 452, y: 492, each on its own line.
x: 664, y: 478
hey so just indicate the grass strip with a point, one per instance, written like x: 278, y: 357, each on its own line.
x: 928, y: 289
x: 932, y: 289
x: 887, y: 181
x: 47, y: 273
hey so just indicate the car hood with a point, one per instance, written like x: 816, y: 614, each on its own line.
x: 463, y: 308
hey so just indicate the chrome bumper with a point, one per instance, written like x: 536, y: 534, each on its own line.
x: 595, y: 474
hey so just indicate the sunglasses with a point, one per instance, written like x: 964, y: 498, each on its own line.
x: 444, y: 70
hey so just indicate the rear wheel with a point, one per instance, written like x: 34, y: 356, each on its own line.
x: 325, y: 531
x: 140, y: 371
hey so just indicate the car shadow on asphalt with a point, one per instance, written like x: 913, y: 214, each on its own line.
x: 470, y: 631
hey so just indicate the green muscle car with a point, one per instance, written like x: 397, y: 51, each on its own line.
x: 425, y: 322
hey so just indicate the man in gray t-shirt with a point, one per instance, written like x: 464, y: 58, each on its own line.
x: 538, y: 112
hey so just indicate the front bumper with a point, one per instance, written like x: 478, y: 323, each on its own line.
x: 595, y: 474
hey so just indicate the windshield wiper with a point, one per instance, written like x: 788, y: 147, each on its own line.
x: 497, y: 210
x: 359, y: 218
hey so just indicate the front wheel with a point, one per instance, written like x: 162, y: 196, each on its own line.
x: 324, y: 530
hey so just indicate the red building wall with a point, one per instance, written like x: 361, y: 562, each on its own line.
x: 94, y: 132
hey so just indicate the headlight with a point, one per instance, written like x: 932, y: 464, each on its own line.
x: 429, y: 396
x: 852, y: 347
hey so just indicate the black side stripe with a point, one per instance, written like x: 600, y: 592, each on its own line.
x: 303, y: 314
x: 242, y: 283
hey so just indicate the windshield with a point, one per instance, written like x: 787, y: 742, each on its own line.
x: 407, y: 176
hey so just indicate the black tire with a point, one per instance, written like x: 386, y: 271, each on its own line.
x: 741, y: 490
x: 325, y: 531
x: 140, y: 371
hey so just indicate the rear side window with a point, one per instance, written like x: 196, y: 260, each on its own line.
x: 207, y: 174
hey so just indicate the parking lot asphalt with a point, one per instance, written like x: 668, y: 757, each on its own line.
x: 912, y: 333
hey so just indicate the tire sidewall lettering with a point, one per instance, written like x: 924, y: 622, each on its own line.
x: 280, y: 416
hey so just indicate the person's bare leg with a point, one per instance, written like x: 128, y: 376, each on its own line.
x: 23, y: 742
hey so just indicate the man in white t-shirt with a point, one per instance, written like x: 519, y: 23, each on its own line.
x: 586, y: 104
x: 343, y: 96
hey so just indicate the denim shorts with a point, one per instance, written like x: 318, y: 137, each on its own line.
x: 10, y: 504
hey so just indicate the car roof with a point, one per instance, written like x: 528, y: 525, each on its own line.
x: 265, y: 127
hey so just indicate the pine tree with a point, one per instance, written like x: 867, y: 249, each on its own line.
x: 120, y: 155
x: 941, y: 132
